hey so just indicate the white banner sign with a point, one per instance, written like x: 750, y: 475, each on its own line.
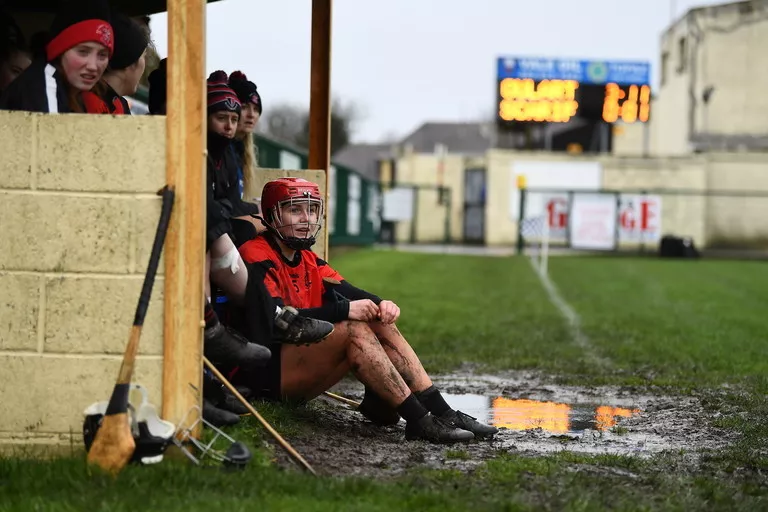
x: 398, y: 204
x: 638, y: 216
x: 593, y: 221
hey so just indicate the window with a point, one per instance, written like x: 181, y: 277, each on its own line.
x: 682, y: 57
x: 664, y: 67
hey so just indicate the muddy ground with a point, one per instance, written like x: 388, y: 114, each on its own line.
x: 341, y: 442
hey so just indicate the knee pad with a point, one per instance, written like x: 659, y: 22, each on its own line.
x: 229, y: 260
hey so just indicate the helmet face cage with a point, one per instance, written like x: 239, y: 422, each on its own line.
x: 301, y: 235
x: 219, y: 448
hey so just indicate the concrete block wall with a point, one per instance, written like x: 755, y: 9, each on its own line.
x: 737, y: 220
x: 78, y: 211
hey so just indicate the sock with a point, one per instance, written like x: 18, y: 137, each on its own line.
x: 433, y: 401
x: 211, y: 320
x: 411, y: 409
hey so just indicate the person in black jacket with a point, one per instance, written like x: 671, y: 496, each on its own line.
x: 223, y: 346
x: 67, y: 78
x: 15, y: 56
x: 127, y: 63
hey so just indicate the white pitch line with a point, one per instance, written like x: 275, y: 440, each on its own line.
x: 570, y: 315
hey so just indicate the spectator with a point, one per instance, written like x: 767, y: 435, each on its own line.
x: 127, y: 64
x: 158, y: 89
x: 15, y: 57
x: 250, y: 100
x: 80, y: 46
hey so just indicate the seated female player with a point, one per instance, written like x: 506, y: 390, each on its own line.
x: 365, y: 340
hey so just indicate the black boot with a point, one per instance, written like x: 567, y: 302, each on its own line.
x: 232, y: 404
x: 377, y: 410
x: 464, y: 421
x: 219, y: 396
x: 435, y: 430
x: 225, y: 348
x: 218, y: 417
x: 299, y: 330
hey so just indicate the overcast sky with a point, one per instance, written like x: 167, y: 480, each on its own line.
x: 405, y: 62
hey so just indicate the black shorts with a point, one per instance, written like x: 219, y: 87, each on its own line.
x: 264, y: 382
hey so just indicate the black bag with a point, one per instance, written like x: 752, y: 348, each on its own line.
x: 677, y: 247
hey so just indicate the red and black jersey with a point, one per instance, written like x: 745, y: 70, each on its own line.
x: 300, y: 282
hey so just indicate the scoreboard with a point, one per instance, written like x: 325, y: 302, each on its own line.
x: 556, y: 91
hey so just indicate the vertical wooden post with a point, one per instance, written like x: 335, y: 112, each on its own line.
x: 185, y: 246
x: 320, y: 96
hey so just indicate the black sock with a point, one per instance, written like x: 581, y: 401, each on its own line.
x: 433, y: 401
x: 411, y: 409
x: 210, y: 316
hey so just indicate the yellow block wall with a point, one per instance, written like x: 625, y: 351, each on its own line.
x: 78, y: 212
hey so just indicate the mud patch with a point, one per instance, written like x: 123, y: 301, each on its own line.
x: 534, y: 417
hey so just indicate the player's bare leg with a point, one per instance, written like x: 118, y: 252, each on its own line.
x: 407, y: 363
x: 308, y: 371
x: 402, y: 356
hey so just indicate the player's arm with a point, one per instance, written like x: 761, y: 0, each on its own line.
x: 334, y: 281
x: 333, y: 312
x: 364, y: 305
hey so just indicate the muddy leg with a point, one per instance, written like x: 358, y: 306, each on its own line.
x: 402, y: 356
x: 308, y: 371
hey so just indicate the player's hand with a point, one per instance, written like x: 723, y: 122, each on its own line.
x: 364, y: 310
x: 388, y: 312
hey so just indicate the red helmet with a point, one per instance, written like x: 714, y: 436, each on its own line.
x: 298, y: 192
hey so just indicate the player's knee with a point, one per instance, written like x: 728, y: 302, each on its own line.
x: 358, y: 331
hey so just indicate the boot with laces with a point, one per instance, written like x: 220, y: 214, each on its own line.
x: 433, y: 429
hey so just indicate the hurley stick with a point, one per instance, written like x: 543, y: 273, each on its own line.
x: 342, y: 399
x: 113, y: 445
x: 282, y: 442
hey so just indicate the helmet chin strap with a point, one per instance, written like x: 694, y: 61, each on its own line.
x: 292, y: 242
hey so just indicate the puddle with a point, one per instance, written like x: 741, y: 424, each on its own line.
x: 527, y: 414
x: 534, y: 416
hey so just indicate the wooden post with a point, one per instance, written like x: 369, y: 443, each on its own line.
x: 185, y: 246
x: 320, y: 96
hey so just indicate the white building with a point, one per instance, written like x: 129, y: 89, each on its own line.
x: 714, y: 81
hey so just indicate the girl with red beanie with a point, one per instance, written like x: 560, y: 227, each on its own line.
x: 76, y: 56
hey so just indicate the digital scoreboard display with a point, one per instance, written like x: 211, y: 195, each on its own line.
x: 556, y: 91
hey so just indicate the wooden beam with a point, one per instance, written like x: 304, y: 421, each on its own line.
x: 320, y: 94
x: 185, y: 246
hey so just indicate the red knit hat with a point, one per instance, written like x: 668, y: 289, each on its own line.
x: 84, y: 21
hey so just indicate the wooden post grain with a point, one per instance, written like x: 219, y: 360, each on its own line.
x: 320, y: 96
x: 185, y: 246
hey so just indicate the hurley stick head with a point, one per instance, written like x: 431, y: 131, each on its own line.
x: 113, y: 446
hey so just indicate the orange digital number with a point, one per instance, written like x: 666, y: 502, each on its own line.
x: 645, y: 103
x: 631, y: 106
x: 611, y: 109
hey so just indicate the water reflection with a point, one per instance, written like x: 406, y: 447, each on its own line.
x: 526, y: 414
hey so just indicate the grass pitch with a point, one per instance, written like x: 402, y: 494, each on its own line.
x: 683, y: 327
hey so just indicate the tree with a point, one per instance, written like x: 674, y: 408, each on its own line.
x: 291, y: 123
x: 285, y: 122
